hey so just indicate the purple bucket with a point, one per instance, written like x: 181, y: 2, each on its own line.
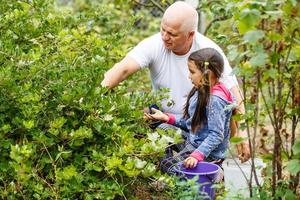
x: 207, y: 173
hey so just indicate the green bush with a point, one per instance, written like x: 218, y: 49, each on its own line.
x: 61, y: 135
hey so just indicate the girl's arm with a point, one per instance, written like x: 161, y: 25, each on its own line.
x: 216, y: 120
x: 167, y: 118
x: 180, y: 123
x: 157, y: 115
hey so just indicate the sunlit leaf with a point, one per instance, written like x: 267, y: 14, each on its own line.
x: 293, y: 166
x: 253, y: 36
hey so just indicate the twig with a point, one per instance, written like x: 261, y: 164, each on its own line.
x: 267, y: 108
x: 6, y: 54
x: 213, y: 21
x: 19, y: 189
x: 244, y: 175
x: 247, y: 122
x: 142, y: 4
x: 255, y: 131
x: 53, y: 164
x: 119, y: 186
x: 48, y: 184
x: 279, y: 86
x: 290, y: 47
x: 169, y: 3
x: 158, y: 6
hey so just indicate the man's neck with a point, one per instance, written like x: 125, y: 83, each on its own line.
x: 185, y: 50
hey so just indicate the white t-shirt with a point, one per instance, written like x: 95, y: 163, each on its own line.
x: 168, y: 70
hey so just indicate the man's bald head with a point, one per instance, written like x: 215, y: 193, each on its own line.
x: 182, y: 14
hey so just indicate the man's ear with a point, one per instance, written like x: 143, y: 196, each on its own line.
x: 191, y: 34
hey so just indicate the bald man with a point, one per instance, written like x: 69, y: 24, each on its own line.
x: 166, y: 54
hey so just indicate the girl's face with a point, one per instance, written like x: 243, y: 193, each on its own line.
x: 195, y: 74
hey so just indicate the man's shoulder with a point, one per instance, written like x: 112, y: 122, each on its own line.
x: 204, y: 42
x: 154, y: 39
x: 152, y: 43
x: 147, y: 51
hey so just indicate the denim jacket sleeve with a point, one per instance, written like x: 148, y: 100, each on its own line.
x: 180, y: 123
x: 215, y: 126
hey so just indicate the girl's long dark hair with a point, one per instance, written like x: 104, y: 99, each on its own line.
x: 207, y: 58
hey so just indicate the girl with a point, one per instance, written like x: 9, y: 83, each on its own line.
x: 206, y: 114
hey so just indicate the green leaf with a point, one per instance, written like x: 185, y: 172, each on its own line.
x: 235, y: 140
x: 166, y: 139
x: 178, y: 137
x: 108, y: 117
x: 113, y: 162
x: 5, y: 128
x: 296, y: 147
x: 67, y: 173
x: 293, y: 2
x: 237, y: 117
x: 233, y: 53
x: 25, y: 6
x: 58, y: 122
x: 290, y: 195
x: 293, y: 166
x: 267, y: 157
x: 97, y: 168
x: 274, y: 36
x: 153, y: 136
x: 253, y: 36
x: 60, y: 153
x: 270, y: 73
x: 259, y: 60
x: 248, y: 19
x: 28, y: 124
x: 275, y: 13
x: 149, y: 170
x: 275, y: 58
x: 139, y: 164
x: 81, y: 133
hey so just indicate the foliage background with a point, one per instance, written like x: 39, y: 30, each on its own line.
x: 62, y: 136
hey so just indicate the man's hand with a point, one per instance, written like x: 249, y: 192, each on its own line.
x: 243, y: 148
x: 158, y: 115
x: 243, y: 151
x: 119, y: 72
x: 190, y: 162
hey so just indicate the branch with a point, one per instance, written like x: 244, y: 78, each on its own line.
x: 122, y: 193
x: 7, y: 55
x: 243, y: 173
x: 213, y: 21
x: 274, y: 106
x: 142, y: 4
x: 169, y: 3
x: 284, y: 65
x: 214, y: 1
x: 290, y: 47
x: 48, y: 184
x: 285, y: 104
x: 255, y: 130
x: 267, y: 108
x: 248, y: 131
x: 158, y: 6
x: 208, y: 4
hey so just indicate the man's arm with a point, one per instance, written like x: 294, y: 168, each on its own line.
x: 243, y: 148
x: 119, y: 72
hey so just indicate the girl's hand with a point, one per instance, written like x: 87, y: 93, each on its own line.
x: 190, y: 162
x: 158, y: 115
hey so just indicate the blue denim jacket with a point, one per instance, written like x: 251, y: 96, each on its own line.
x: 213, y: 137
